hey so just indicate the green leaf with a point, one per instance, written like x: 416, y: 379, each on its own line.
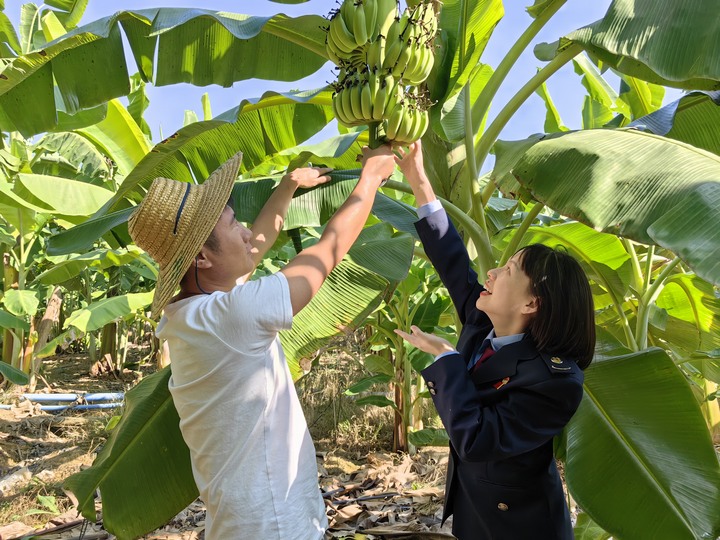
x: 637, y: 185
x: 348, y: 296
x: 633, y: 405
x: 450, y: 119
x: 81, y: 237
x: 8, y: 34
x: 586, y: 529
x: 118, y: 137
x: 259, y: 127
x: 197, y: 46
x: 693, y: 312
x: 467, y: 26
x: 692, y: 119
x: 13, y: 374
x: 363, y: 385
x: 62, y: 196
x: 98, y: 314
x: 7, y: 320
x: 21, y: 303
x: 429, y: 437
x: 377, y: 401
x: 553, y: 122
x: 80, y: 156
x: 143, y: 470
x: 378, y: 365
x: 68, y: 269
x: 640, y: 97
x: 664, y: 42
x: 384, y: 253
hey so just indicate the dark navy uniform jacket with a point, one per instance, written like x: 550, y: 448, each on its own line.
x: 502, y: 482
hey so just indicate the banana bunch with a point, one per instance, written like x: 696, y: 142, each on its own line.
x: 383, y: 56
x: 407, y: 122
x: 361, y: 98
x: 356, y: 25
x: 408, y: 50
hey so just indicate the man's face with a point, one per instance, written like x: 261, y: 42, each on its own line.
x: 233, y: 256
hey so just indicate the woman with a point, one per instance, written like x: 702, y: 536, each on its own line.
x: 513, y: 381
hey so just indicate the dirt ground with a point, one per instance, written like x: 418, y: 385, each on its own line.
x: 366, y: 488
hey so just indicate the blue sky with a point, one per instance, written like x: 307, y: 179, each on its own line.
x: 168, y: 104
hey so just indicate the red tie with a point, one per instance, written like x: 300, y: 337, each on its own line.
x: 487, y: 353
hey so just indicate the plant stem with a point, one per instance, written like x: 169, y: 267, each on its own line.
x: 637, y: 272
x: 493, y: 131
x: 373, y: 133
x: 520, y: 232
x: 498, y: 77
x: 648, y: 267
x: 641, y: 330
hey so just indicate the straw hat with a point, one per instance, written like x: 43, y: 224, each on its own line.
x: 175, y: 219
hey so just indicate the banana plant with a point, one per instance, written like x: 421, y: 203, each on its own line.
x: 419, y: 300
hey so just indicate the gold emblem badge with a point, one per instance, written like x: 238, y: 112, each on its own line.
x: 556, y: 360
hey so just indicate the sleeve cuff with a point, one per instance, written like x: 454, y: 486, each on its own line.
x: 426, y: 209
x: 443, y: 355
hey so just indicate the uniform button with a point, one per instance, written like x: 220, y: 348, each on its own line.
x: 503, y: 507
x: 430, y: 384
x: 432, y: 392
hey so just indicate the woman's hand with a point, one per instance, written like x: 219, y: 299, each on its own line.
x: 410, y: 162
x: 428, y: 343
x: 308, y: 177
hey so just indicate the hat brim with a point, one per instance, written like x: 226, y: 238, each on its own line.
x: 211, y: 198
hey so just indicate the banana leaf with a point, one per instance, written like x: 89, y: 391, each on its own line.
x: 639, y: 425
x: 196, y: 46
x: 664, y: 42
x: 105, y: 311
x: 143, y: 470
x: 693, y: 119
x: 641, y: 186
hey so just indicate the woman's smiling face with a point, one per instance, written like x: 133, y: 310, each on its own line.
x: 507, y: 298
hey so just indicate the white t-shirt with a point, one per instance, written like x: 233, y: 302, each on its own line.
x: 252, y: 456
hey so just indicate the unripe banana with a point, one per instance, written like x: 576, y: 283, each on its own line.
x: 330, y: 50
x: 343, y: 38
x: 401, y: 63
x: 366, y: 100
x: 356, y: 102
x: 392, y: 52
x: 386, y: 14
x: 347, y: 106
x: 406, y: 126
x: 395, y: 96
x: 424, y: 123
x: 380, y: 98
x: 358, y: 25
x: 394, y: 121
x: 370, y: 7
x: 338, y: 109
x: 374, y: 85
x: 374, y: 51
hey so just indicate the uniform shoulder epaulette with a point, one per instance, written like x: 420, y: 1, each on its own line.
x: 558, y: 364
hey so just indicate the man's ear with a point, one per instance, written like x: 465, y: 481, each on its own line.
x: 202, y: 261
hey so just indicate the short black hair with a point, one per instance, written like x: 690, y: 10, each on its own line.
x: 212, y: 242
x: 565, y: 321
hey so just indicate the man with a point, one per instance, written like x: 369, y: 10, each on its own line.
x: 251, y: 452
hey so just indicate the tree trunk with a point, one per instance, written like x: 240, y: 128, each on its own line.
x: 10, y: 277
x: 45, y: 328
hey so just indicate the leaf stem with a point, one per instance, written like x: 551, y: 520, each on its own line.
x: 637, y: 272
x: 493, y: 131
x: 520, y: 232
x: 641, y: 331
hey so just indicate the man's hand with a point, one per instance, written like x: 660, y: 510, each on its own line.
x: 308, y: 177
x: 428, y: 343
x: 378, y: 163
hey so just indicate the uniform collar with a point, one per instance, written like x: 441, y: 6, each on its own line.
x: 504, y: 362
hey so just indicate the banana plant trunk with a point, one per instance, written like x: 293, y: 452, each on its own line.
x: 10, y: 277
x: 49, y: 321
